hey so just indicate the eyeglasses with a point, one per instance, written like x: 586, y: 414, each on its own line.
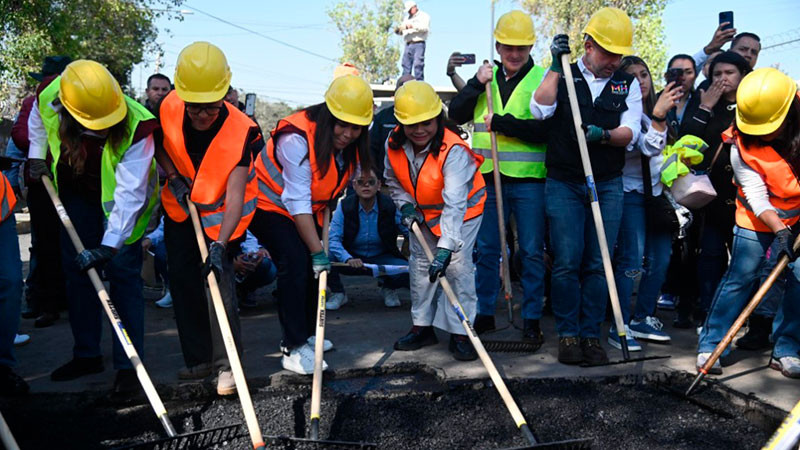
x: 210, y: 110
x: 371, y: 182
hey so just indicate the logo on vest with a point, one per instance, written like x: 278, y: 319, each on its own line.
x: 619, y: 87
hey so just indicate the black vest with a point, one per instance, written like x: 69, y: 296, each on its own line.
x: 563, y: 159
x: 387, y: 230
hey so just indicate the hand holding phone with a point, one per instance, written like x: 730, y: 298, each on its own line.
x: 675, y: 74
x: 726, y: 17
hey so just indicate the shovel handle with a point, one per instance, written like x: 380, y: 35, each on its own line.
x: 5, y: 435
x: 319, y: 340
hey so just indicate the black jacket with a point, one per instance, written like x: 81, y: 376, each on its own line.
x: 387, y: 228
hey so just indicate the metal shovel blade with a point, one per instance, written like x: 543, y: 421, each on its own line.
x: 194, y: 440
x: 570, y: 444
x: 304, y: 443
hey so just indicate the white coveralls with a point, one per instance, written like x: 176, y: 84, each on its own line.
x: 429, y: 305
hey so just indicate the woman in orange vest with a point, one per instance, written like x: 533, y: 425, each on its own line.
x: 434, y: 180
x: 308, y: 162
x: 205, y: 148
x: 765, y: 156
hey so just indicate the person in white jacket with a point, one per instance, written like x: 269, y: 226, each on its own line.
x: 414, y: 30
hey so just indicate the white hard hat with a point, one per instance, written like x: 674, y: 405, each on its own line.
x: 410, y: 4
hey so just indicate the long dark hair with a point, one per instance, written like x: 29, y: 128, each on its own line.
x: 70, y: 132
x: 398, y: 138
x: 788, y: 142
x: 650, y: 103
x: 357, y: 151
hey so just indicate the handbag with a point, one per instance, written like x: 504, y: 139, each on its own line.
x: 660, y: 216
x: 695, y: 190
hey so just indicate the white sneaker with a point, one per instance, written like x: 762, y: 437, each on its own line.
x: 390, y: 298
x: 788, y: 365
x: 326, y: 344
x: 165, y: 301
x: 21, y: 339
x: 716, y: 369
x: 225, y: 383
x: 337, y: 299
x: 300, y: 360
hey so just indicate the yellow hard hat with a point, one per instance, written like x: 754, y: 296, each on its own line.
x: 416, y: 102
x: 202, y: 74
x: 92, y: 95
x: 349, y: 99
x: 612, y: 29
x: 763, y: 99
x: 515, y: 28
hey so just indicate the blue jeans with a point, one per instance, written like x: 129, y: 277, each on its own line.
x: 86, y: 315
x: 414, y: 56
x: 526, y: 202
x: 786, y: 332
x: 265, y: 273
x: 736, y: 286
x: 389, y: 282
x: 636, y: 244
x: 578, y: 285
x: 772, y: 300
x: 10, y: 289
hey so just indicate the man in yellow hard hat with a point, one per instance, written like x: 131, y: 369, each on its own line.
x: 611, y: 111
x: 205, y: 148
x: 521, y: 150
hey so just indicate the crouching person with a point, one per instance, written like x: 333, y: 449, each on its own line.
x: 433, y: 178
x: 364, y: 229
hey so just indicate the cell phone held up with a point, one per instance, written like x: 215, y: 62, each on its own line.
x: 726, y: 16
x: 674, y: 74
x: 467, y: 58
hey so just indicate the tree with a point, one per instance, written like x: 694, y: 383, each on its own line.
x: 366, y: 29
x: 269, y: 113
x: 560, y: 16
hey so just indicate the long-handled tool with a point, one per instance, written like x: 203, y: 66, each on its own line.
x: 787, y: 436
x: 737, y: 325
x: 374, y: 270
x: 6, y: 437
x: 122, y: 334
x: 227, y: 337
x: 516, y: 414
x: 598, y: 218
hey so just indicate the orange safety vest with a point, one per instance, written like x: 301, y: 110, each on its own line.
x: 427, y: 188
x: 782, y: 184
x: 7, y: 198
x: 270, y: 172
x: 210, y: 181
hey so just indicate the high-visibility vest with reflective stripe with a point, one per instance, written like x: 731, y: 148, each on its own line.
x: 109, y: 159
x: 518, y: 159
x: 270, y: 172
x: 210, y: 182
x: 7, y: 198
x: 783, y: 187
x: 427, y: 188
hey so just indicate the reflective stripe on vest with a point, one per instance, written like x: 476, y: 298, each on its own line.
x: 215, y: 219
x: 9, y: 200
x: 783, y: 214
x: 109, y: 159
x: 518, y: 159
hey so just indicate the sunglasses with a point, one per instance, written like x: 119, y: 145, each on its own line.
x: 196, y: 109
x: 371, y: 182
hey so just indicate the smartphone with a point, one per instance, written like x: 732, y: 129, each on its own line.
x: 674, y: 74
x: 726, y: 16
x: 250, y: 104
x: 469, y: 58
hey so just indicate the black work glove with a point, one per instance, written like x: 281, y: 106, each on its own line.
x: 37, y: 168
x: 439, y: 264
x: 94, y: 258
x: 409, y: 215
x: 180, y: 189
x: 216, y: 251
x: 782, y: 245
x: 558, y: 47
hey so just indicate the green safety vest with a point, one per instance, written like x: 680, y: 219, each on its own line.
x: 109, y: 159
x: 518, y: 159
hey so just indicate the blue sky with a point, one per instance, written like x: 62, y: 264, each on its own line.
x: 278, y: 72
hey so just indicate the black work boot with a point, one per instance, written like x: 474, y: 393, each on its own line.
x: 462, y: 348
x: 531, y: 333
x: 77, y: 368
x: 417, y: 338
x: 757, y: 337
x: 593, y: 352
x: 569, y: 350
x: 126, y: 383
x: 11, y: 384
x: 483, y: 323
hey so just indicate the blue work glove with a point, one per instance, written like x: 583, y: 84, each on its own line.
x: 409, y: 215
x: 38, y: 168
x: 558, y: 47
x: 94, y: 258
x: 216, y: 251
x: 594, y: 133
x: 179, y: 187
x: 320, y: 263
x: 440, y: 262
x: 782, y: 245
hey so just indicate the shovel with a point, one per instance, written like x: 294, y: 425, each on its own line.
x: 511, y: 405
x: 787, y: 436
x: 122, y: 335
x: 5, y: 435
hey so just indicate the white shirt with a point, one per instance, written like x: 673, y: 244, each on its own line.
x: 132, y: 174
x: 459, y: 172
x: 651, y: 144
x: 752, y: 184
x: 629, y: 119
x: 420, y: 25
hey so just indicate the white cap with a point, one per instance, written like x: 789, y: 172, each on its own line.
x: 410, y: 4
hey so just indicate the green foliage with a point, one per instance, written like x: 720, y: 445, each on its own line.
x: 570, y: 16
x: 269, y: 113
x: 366, y: 29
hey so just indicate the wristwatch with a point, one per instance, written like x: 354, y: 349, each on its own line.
x: 606, y: 137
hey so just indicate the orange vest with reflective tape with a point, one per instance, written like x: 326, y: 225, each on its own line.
x: 427, y: 188
x: 783, y: 187
x: 209, y: 183
x: 7, y: 198
x: 270, y: 173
